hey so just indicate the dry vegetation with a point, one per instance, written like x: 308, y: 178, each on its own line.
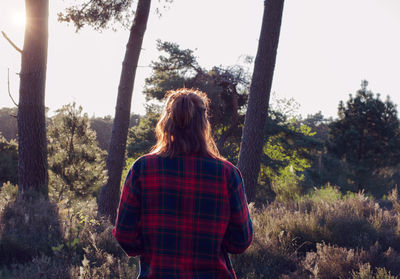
x: 323, y: 235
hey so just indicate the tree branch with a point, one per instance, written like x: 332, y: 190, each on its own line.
x: 8, y: 83
x: 11, y: 42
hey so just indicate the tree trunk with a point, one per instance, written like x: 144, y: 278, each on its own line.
x: 32, y: 153
x: 109, y: 194
x: 257, y: 111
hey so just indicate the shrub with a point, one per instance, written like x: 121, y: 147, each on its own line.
x: 39, y: 239
x: 365, y: 272
x: 328, y: 193
x: 38, y: 268
x: 29, y: 227
x: 270, y: 255
x: 322, y: 234
x: 330, y: 262
x: 89, y: 247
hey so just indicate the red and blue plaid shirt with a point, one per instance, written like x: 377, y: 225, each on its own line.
x: 183, y: 216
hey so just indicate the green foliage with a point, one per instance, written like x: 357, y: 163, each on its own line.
x: 324, y: 168
x: 8, y: 161
x: 366, y: 138
x: 319, y: 124
x: 102, y: 14
x: 103, y: 128
x: 76, y: 163
x: 128, y: 163
x: 142, y: 137
x: 328, y: 193
x: 286, y: 157
x: 285, y: 180
x: 99, y: 14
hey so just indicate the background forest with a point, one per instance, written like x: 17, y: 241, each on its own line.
x: 324, y: 203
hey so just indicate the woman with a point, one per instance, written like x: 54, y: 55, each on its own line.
x: 183, y: 207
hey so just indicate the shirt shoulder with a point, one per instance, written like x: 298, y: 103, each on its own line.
x: 145, y: 158
x: 230, y: 168
x: 140, y: 163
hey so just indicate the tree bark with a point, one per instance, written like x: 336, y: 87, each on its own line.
x: 257, y: 111
x: 109, y: 194
x: 32, y: 153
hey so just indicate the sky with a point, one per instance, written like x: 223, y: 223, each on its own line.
x: 326, y: 48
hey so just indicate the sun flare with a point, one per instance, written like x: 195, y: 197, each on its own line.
x: 19, y: 18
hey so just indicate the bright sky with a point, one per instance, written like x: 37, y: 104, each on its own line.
x: 326, y: 48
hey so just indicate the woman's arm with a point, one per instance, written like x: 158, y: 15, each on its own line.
x: 127, y: 229
x: 239, y: 233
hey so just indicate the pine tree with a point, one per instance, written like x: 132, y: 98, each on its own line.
x: 76, y: 162
x: 366, y: 137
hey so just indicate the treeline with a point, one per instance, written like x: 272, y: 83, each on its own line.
x: 101, y: 125
x: 358, y: 151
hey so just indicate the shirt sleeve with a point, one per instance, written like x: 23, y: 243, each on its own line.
x: 127, y: 225
x: 239, y: 234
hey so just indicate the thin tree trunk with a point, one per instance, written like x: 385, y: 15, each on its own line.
x: 109, y: 194
x: 257, y: 111
x: 32, y: 153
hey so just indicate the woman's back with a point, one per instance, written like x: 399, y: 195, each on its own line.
x: 186, y: 204
x: 183, y: 208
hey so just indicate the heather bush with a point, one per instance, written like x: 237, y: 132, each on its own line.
x: 38, y: 268
x: 330, y: 262
x: 39, y: 239
x: 323, y: 235
x: 29, y: 227
x: 354, y: 221
x: 365, y: 272
x: 267, y: 257
x: 89, y: 246
x: 394, y: 198
x: 8, y: 192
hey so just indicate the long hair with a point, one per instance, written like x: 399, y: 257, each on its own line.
x: 183, y: 127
